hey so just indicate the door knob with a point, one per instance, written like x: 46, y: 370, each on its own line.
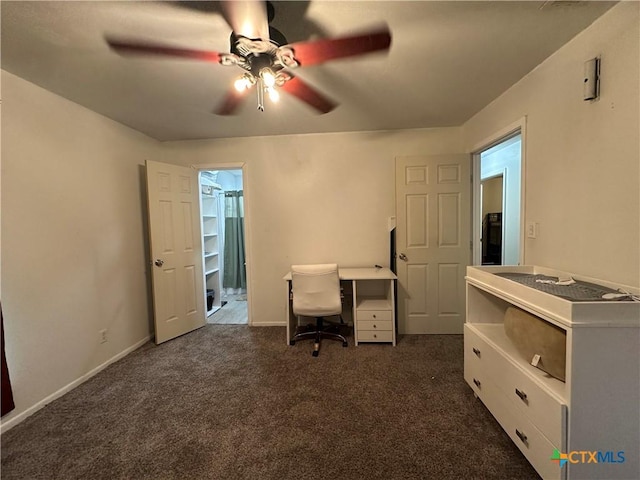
x: 159, y: 262
x: 403, y: 257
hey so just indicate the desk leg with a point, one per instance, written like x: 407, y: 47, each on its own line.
x: 392, y: 295
x: 354, y: 287
x: 292, y: 320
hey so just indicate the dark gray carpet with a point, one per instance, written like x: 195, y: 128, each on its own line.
x: 234, y: 402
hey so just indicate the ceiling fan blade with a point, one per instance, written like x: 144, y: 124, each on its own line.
x: 307, y: 94
x: 231, y: 102
x: 125, y: 48
x: 247, y: 18
x: 319, y: 51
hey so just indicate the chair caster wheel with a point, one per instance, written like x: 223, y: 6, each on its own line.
x: 344, y: 344
x: 315, y: 353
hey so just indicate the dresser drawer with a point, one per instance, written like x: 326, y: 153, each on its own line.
x: 532, y: 400
x: 375, y: 336
x: 373, y: 315
x: 541, y: 408
x: 375, y: 325
x: 474, y: 375
x: 478, y: 352
x: 531, y: 441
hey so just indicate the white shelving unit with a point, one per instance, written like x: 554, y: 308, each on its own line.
x: 211, y: 247
x: 594, y: 410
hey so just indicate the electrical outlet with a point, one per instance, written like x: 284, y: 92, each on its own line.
x: 103, y: 335
x: 532, y: 230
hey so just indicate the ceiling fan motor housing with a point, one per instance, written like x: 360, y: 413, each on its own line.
x: 257, y: 53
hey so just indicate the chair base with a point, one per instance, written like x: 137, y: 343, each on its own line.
x: 319, y: 332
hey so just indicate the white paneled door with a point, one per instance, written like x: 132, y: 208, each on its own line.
x: 176, y: 250
x: 433, y: 220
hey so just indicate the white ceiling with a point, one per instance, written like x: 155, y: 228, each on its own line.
x: 447, y: 61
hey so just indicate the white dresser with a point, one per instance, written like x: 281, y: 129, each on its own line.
x: 593, y: 418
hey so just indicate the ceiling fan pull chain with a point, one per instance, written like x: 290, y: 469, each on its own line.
x: 260, y: 91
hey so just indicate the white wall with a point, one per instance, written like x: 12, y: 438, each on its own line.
x: 582, y: 166
x: 313, y: 199
x: 73, y: 241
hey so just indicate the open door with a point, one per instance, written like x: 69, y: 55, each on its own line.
x: 433, y: 210
x: 176, y: 249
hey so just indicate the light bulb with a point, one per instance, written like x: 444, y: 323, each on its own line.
x: 274, y: 96
x: 241, y: 84
x: 244, y: 82
x: 268, y: 77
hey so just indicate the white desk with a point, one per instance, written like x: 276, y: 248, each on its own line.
x: 373, y: 304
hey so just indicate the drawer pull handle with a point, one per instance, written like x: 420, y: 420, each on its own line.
x: 374, y: 315
x: 375, y: 336
x: 476, y: 351
x: 477, y: 382
x: 522, y: 395
x: 521, y: 436
x: 375, y: 326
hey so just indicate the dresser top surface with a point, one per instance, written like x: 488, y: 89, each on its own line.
x: 618, y: 312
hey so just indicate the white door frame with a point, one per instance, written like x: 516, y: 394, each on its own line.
x: 247, y: 223
x: 476, y: 215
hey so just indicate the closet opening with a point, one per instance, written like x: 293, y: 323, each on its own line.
x: 224, y: 251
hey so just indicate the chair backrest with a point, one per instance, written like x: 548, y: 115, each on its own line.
x: 316, y: 290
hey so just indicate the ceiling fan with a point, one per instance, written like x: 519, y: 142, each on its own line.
x: 265, y: 56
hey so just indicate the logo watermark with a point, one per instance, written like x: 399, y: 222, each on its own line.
x: 586, y: 456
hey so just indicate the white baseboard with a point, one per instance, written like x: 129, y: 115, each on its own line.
x: 12, y: 422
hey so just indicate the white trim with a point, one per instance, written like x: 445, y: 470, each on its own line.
x: 500, y: 135
x: 523, y: 184
x: 476, y: 211
x: 248, y: 244
x: 269, y: 324
x: 12, y: 422
x: 220, y: 166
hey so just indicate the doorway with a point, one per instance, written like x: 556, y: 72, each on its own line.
x: 497, y: 216
x: 224, y: 259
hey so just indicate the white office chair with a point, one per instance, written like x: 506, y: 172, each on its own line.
x: 316, y: 293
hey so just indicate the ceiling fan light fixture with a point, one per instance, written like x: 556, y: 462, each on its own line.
x: 268, y: 77
x: 274, y: 96
x: 244, y: 82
